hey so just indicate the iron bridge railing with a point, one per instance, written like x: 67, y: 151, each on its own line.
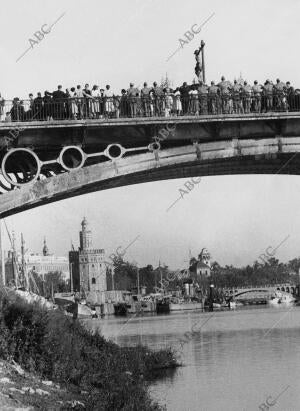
x: 74, y: 108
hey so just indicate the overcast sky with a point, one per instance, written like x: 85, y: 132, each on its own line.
x: 123, y: 41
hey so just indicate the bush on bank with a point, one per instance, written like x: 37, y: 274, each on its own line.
x: 51, y: 344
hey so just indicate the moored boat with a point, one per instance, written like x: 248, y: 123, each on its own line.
x: 281, y: 298
x: 182, y: 306
x: 85, y: 311
x: 78, y: 310
x: 163, y: 306
x: 120, y: 309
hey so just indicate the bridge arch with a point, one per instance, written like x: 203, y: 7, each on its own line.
x: 144, y: 164
x: 251, y: 291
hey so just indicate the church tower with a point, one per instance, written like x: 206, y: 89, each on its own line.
x: 204, y: 256
x: 45, y: 248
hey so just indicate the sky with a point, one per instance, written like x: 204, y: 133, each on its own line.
x: 117, y: 42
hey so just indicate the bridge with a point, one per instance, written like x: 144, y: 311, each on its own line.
x: 286, y: 287
x: 47, y: 161
x: 254, y: 296
x: 260, y: 293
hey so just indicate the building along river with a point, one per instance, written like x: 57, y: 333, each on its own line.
x: 232, y: 361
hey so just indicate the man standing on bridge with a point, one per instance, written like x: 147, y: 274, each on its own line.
x: 133, y: 94
x: 290, y: 91
x: 184, y: 92
x: 225, y: 88
x: 2, y: 108
x: 158, y: 99
x: 268, y: 93
x: 59, y: 98
x: 257, y: 90
x: 145, y: 97
x: 280, y: 98
x: 236, y: 96
x: 38, y: 107
x: 247, y: 92
x: 203, y: 97
x: 87, y: 100
x: 213, y: 95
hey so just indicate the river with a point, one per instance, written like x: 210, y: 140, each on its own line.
x: 232, y: 360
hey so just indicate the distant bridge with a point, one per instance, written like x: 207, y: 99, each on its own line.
x: 260, y: 290
x: 53, y: 160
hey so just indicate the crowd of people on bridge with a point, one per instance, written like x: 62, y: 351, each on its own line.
x: 196, y: 99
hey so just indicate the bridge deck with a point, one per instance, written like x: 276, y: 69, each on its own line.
x: 187, y: 119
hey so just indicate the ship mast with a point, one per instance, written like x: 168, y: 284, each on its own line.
x: 3, y: 278
x: 161, y: 279
x: 24, y: 274
x: 14, y: 260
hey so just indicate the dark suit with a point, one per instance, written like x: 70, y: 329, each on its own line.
x: 184, y: 92
x: 59, y: 101
x: 38, y: 108
x: 17, y: 112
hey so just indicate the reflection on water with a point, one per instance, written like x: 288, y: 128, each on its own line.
x: 234, y: 362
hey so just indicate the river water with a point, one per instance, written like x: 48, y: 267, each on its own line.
x: 232, y: 360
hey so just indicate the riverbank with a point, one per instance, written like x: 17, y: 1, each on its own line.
x: 98, y: 373
x: 22, y: 390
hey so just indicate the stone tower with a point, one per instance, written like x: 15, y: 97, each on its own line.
x: 85, y: 236
x: 92, y: 267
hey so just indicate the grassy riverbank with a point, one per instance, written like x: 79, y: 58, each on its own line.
x: 52, y: 345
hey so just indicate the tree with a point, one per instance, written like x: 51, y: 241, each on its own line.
x: 165, y: 82
x: 215, y: 266
x: 193, y: 261
x: 52, y: 281
x: 125, y: 274
x: 294, y: 264
x: 271, y: 271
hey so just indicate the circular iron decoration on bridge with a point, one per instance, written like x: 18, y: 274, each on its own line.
x: 72, y: 158
x: 155, y: 146
x: 114, y: 151
x: 20, y: 166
